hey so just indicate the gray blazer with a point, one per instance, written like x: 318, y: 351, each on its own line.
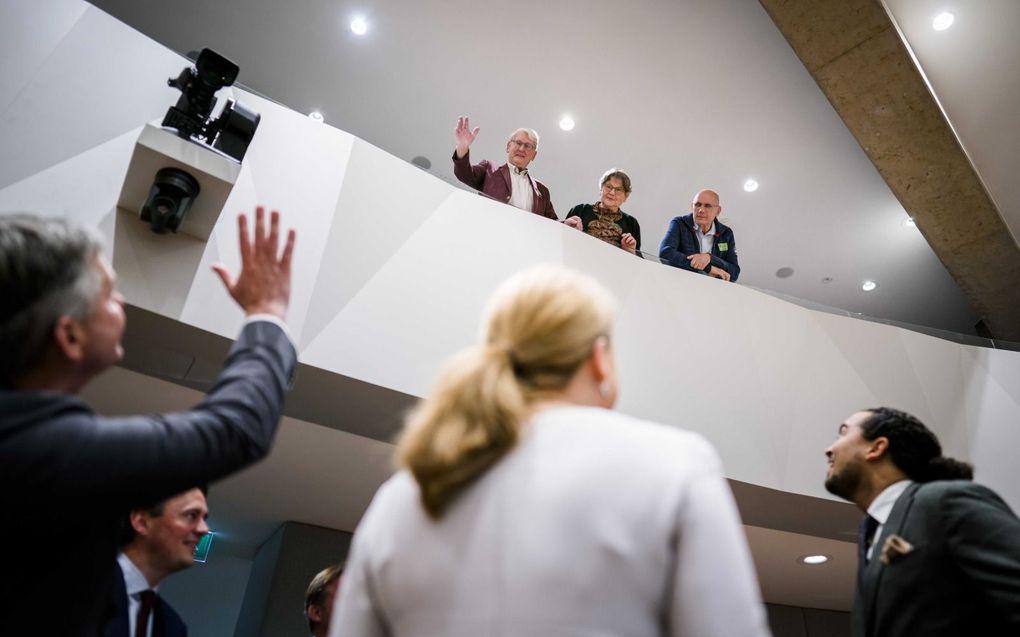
x: 962, y: 576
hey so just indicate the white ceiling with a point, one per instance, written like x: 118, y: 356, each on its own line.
x: 972, y: 68
x: 681, y: 94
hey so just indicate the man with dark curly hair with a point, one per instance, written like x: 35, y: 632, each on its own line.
x: 938, y: 555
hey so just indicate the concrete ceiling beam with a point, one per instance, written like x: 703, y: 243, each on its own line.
x: 854, y: 52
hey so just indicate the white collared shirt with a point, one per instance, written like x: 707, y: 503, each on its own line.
x: 520, y: 188
x: 882, y: 506
x: 705, y: 239
x: 135, y: 583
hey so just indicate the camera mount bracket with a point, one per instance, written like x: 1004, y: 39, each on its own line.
x: 159, y: 148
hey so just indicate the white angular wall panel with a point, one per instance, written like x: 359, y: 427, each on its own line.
x: 674, y: 369
x: 831, y: 388
x: 380, y: 204
x: 83, y: 185
x: 101, y: 80
x: 425, y: 302
x: 992, y: 417
x: 942, y: 371
x: 296, y: 166
x: 860, y: 341
x: 30, y: 32
x: 158, y: 272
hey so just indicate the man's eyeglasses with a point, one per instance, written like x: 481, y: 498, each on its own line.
x: 525, y: 145
x: 619, y: 189
x: 708, y: 206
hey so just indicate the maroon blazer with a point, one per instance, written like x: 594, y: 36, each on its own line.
x: 494, y: 181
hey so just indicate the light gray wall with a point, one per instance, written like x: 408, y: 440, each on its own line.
x: 235, y: 593
x: 208, y: 596
x: 286, y: 563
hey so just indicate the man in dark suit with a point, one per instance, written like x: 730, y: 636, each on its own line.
x: 699, y: 241
x: 939, y: 556
x: 70, y: 476
x: 158, y: 540
x: 510, y: 183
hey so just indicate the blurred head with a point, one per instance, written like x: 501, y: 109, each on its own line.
x: 319, y: 599
x: 57, y: 300
x: 161, y: 539
x: 546, y: 337
x: 614, y: 188
x: 522, y: 147
x: 545, y: 323
x: 705, y: 208
x: 889, y: 440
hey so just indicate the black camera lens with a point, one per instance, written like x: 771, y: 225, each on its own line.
x: 171, y: 195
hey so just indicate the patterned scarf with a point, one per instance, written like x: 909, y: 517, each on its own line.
x: 604, y: 226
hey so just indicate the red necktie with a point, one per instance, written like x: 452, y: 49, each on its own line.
x: 148, y: 598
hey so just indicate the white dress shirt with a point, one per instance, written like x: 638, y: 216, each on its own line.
x: 705, y: 239
x: 136, y: 584
x: 596, y: 524
x: 520, y: 187
x: 882, y: 506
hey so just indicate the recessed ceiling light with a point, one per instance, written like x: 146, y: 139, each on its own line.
x: 868, y: 286
x: 317, y: 116
x: 909, y: 222
x: 827, y: 279
x: 567, y: 123
x: 813, y: 559
x: 943, y: 21
x: 359, y: 26
x: 750, y: 185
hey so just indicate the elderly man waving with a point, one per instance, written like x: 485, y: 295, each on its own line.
x: 511, y: 182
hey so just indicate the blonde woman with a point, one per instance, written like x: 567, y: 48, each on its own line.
x: 524, y: 506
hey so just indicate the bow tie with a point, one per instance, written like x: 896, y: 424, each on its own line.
x: 519, y: 171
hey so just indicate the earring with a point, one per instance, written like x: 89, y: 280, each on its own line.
x: 604, y: 389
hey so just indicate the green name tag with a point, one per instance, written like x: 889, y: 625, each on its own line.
x: 723, y: 247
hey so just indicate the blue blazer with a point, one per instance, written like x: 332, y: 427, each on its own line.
x: 680, y: 242
x: 165, y: 620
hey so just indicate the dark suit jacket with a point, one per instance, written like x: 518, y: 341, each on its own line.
x: 69, y: 476
x: 165, y: 620
x: 961, y: 579
x: 494, y: 181
x: 680, y: 242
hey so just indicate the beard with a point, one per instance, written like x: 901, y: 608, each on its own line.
x: 845, y: 483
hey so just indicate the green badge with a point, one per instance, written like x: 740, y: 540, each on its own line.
x: 723, y: 247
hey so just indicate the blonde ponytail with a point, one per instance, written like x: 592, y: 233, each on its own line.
x: 541, y: 327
